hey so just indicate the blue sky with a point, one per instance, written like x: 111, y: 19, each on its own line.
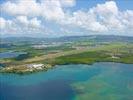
x: 50, y: 18
x: 122, y: 4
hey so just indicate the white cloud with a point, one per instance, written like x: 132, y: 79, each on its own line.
x: 35, y: 22
x: 102, y: 18
x: 52, y: 10
x: 106, y: 9
x: 23, y: 20
x: 22, y: 25
x: 86, y: 20
x: 108, y: 15
x: 49, y: 9
x: 127, y: 18
x: 2, y: 23
x: 21, y: 7
x: 26, y: 14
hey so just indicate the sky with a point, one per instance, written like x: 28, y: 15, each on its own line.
x: 54, y: 18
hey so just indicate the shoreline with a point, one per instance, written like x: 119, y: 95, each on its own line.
x: 22, y: 72
x: 86, y: 56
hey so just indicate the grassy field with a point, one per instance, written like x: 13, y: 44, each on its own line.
x: 93, y: 56
x: 111, y: 53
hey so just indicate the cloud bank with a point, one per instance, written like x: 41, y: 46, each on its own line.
x: 32, y: 16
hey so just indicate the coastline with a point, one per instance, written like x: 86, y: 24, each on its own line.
x: 26, y: 71
x: 85, y: 56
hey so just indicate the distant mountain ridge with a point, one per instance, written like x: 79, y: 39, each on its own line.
x: 97, y: 38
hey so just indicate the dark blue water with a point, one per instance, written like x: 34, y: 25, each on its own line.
x: 100, y: 81
x: 10, y: 54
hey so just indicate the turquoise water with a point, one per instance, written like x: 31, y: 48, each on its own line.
x: 100, y: 81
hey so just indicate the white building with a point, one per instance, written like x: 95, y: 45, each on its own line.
x: 36, y: 66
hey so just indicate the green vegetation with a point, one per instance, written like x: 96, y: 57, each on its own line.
x: 111, y: 53
x: 93, y: 56
x: 76, y: 52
